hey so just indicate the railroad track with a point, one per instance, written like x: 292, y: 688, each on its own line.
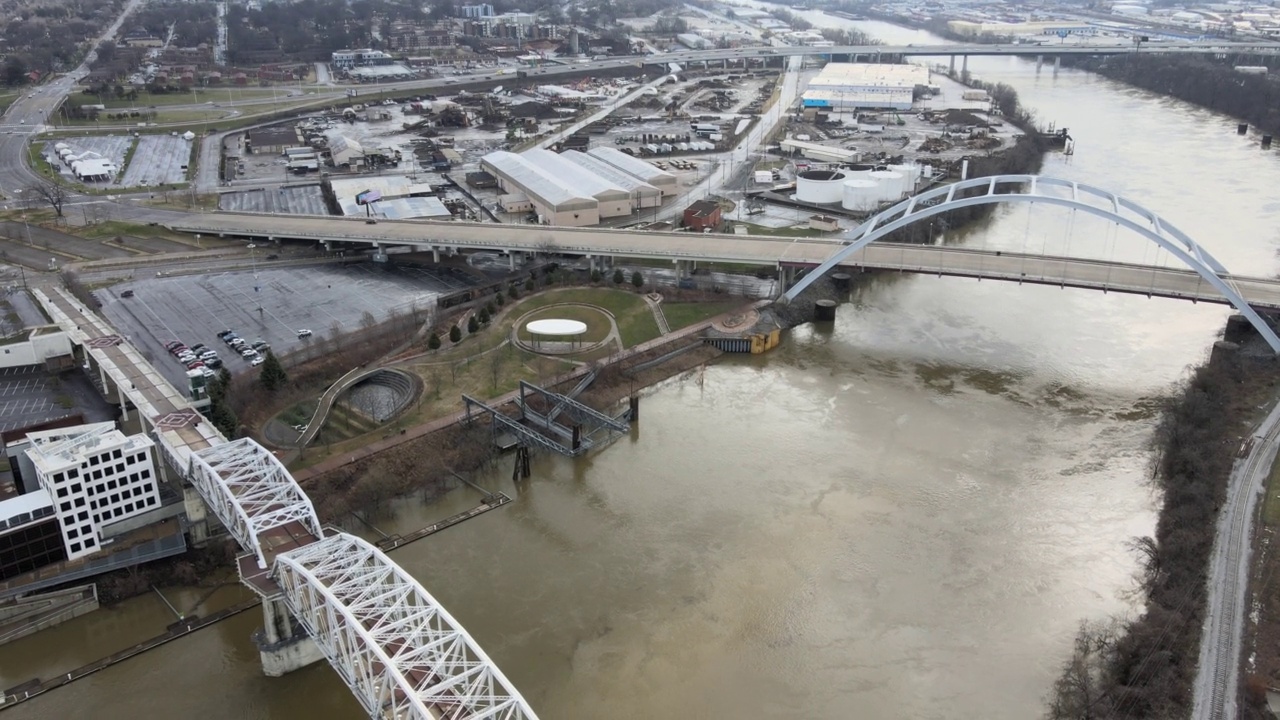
x: 1219, y: 667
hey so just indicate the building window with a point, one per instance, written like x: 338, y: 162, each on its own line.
x: 148, y: 487
x: 93, y: 504
x: 86, y: 530
x: 79, y: 502
x: 116, y: 453
x: 146, y: 473
x: 133, y: 477
x: 111, y: 484
x: 119, y: 467
x: 128, y: 507
x: 83, y: 515
x: 75, y: 547
x: 117, y: 512
x: 73, y: 473
x: 77, y: 488
x: 57, y: 478
x: 90, y: 542
x: 115, y: 498
x: 72, y: 534
x: 62, y: 492
x: 95, y: 517
x: 65, y: 507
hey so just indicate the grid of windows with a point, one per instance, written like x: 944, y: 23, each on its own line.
x: 30, y: 547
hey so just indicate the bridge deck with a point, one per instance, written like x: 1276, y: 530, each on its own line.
x: 763, y: 250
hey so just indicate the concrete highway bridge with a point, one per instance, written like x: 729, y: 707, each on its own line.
x: 1204, y: 278
x: 325, y: 593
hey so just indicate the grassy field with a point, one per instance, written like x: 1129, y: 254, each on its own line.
x: 684, y: 314
x: 598, y: 325
x: 6, y: 99
x: 146, y: 100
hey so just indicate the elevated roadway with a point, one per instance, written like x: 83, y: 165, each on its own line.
x: 598, y: 243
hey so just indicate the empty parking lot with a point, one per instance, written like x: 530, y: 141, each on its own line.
x: 158, y: 160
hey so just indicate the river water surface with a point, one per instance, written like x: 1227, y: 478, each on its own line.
x: 903, y: 515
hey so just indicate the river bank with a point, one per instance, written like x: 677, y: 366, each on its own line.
x: 1214, y: 85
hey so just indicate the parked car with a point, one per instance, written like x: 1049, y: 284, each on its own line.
x: 257, y: 360
x: 260, y: 345
x: 214, y: 363
x: 198, y: 348
x: 304, y: 333
x: 171, y: 345
x: 195, y: 365
x: 126, y: 294
x: 248, y: 353
x: 208, y: 374
x: 223, y: 335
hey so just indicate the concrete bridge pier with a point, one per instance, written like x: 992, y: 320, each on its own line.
x: 1057, y: 64
x: 328, y: 245
x: 964, y: 64
x: 953, y: 66
x: 435, y: 254
x: 513, y: 259
x: 1039, y: 62
x: 283, y: 645
x: 591, y: 263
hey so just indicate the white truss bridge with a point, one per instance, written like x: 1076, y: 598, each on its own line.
x: 401, y: 653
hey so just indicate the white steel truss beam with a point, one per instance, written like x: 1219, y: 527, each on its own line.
x: 401, y: 653
x: 251, y: 492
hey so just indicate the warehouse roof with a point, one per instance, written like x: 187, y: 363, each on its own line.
x: 273, y: 136
x: 534, y: 182
x: 576, y: 177
x: 633, y: 166
x: 596, y: 166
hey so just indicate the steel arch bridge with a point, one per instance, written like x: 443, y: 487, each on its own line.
x: 401, y: 653
x: 1052, y: 191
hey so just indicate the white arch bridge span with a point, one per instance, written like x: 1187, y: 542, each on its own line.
x: 1204, y: 279
x: 325, y: 593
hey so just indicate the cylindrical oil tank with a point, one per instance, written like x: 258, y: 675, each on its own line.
x: 822, y: 187
x: 927, y: 171
x: 911, y: 175
x: 861, y: 195
x: 893, y: 185
x: 857, y: 172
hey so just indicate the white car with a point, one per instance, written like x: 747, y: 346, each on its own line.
x: 257, y: 360
x: 304, y: 333
x: 248, y: 353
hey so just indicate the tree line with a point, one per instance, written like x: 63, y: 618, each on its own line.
x: 1208, y: 83
x: 1145, y: 667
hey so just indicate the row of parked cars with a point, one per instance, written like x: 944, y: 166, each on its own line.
x: 196, y: 357
x: 250, y: 351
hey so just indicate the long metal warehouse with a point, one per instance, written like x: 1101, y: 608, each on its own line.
x: 553, y: 201
x: 664, y: 181
x: 643, y: 195
x: 614, y: 200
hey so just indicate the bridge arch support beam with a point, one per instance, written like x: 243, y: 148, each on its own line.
x: 1010, y: 189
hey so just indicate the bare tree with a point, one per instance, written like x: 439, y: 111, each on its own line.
x: 1082, y: 690
x: 49, y: 193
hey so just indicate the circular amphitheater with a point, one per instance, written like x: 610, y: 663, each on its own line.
x: 564, y: 329
x: 383, y: 395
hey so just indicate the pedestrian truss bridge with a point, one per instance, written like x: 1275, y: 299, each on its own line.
x: 400, y: 652
x: 1202, y: 279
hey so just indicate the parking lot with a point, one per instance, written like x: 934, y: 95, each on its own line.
x: 158, y: 160
x: 30, y: 395
x: 271, y: 305
x: 298, y: 200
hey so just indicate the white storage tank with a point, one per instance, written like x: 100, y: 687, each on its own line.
x: 861, y: 195
x: 858, y: 172
x: 911, y: 174
x: 823, y: 187
x: 893, y: 185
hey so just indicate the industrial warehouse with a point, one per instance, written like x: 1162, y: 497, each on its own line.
x: 842, y: 87
x: 574, y: 188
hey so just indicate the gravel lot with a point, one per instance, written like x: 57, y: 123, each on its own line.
x: 157, y: 161
x: 298, y: 200
x: 193, y: 309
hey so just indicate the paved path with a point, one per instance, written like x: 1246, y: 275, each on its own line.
x: 1218, y: 673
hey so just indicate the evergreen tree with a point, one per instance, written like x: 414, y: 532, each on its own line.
x: 433, y: 343
x: 473, y: 325
x: 500, y: 300
x: 514, y: 292
x: 455, y: 334
x: 528, y: 284
x: 637, y: 279
x: 618, y: 277
x: 485, y: 317
x: 595, y: 276
x: 273, y: 375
